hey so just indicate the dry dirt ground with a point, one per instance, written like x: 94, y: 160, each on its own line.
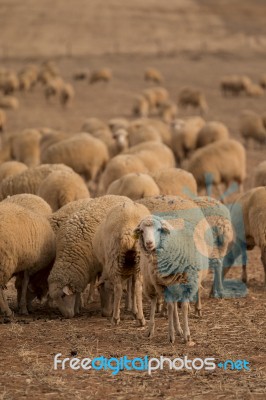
x: 192, y: 43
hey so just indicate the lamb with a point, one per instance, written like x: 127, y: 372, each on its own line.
x: 10, y: 168
x: 135, y: 186
x: 219, y: 219
x: 114, y: 244
x: 26, y: 147
x: 194, y: 98
x: 234, y: 84
x: 29, y: 180
x: 153, y: 75
x: 62, y: 187
x: 173, y: 263
x: 251, y: 127
x: 30, y: 202
x: 249, y: 221
x: 259, y: 175
x: 67, y: 94
x: 176, y: 182
x: 92, y: 155
x: 219, y: 162
x: 185, y: 136
x: 104, y: 75
x: 2, y: 120
x: 9, y: 102
x: 76, y: 264
x: 28, y: 245
x: 211, y: 132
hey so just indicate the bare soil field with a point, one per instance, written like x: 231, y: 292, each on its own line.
x: 191, y: 43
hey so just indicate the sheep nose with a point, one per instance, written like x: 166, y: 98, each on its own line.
x: 149, y: 243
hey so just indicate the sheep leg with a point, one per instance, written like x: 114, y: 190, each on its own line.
x: 133, y: 296
x: 91, y: 291
x: 151, y: 327
x: 138, y: 297
x: 263, y: 260
x: 23, y: 299
x: 118, y: 291
x: 171, y: 331
x: 185, y: 307
x: 4, y: 304
x: 198, y: 303
x: 77, y: 304
x: 159, y: 306
x: 128, y: 305
x: 177, y: 325
x: 244, y: 274
x: 217, y: 287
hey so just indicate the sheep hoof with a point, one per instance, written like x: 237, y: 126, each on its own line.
x: 23, y: 310
x: 198, y: 313
x: 172, y: 339
x: 141, y: 321
x: 149, y: 334
x: 217, y: 294
x: 115, y: 321
x: 180, y: 332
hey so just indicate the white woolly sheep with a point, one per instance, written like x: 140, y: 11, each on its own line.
x: 53, y: 88
x: 168, y: 112
x: 153, y: 75
x: 160, y: 126
x: 26, y: 147
x: 249, y: 220
x: 50, y: 137
x: 194, y: 98
x: 176, y: 182
x: 9, y: 83
x: 145, y: 133
x: 185, y: 136
x: 101, y: 75
x: 251, y: 127
x: 141, y: 107
x: 173, y: 263
x: 114, y: 244
x: 211, y: 132
x: 2, y: 120
x: 10, y: 168
x: 67, y: 94
x: 219, y: 162
x: 259, y: 175
x: 254, y: 90
x: 92, y: 155
x: 81, y: 75
x: 30, y: 202
x: 135, y: 186
x: 92, y: 124
x: 118, y: 123
x: 9, y: 102
x: 28, y: 245
x: 234, y: 84
x: 62, y: 187
x: 29, y: 180
x: 76, y: 264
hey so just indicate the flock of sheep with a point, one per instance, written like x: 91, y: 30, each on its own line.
x: 121, y: 206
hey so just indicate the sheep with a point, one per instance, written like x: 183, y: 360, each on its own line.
x: 104, y: 75
x: 28, y: 245
x: 135, y: 186
x: 153, y: 75
x: 26, y: 147
x: 114, y: 245
x: 219, y: 162
x: 92, y: 155
x: 76, y: 264
x: 173, y: 263
x: 259, y: 175
x: 156, y: 97
x: 211, y: 132
x: 160, y: 126
x: 118, y: 123
x: 234, y: 84
x: 10, y: 168
x: 120, y: 137
x: 117, y: 167
x: 50, y: 137
x: 251, y: 127
x: 9, y: 83
x: 175, y: 182
x: 249, y: 220
x: 62, y: 187
x: 30, y: 202
x: 29, y: 180
x: 254, y: 90
x: 219, y: 219
x: 185, y: 136
x: 67, y: 94
x: 53, y: 88
x: 194, y: 98
x: 9, y: 102
x: 2, y: 120
x: 168, y: 112
x: 80, y: 75
x: 141, y: 107
x: 91, y: 125
x: 145, y: 133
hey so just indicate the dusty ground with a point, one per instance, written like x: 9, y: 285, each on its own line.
x: 191, y: 44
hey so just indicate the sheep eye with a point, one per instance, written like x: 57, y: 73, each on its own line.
x: 63, y: 295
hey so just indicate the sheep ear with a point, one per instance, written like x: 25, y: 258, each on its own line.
x: 67, y: 290
x: 136, y: 233
x: 165, y: 227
